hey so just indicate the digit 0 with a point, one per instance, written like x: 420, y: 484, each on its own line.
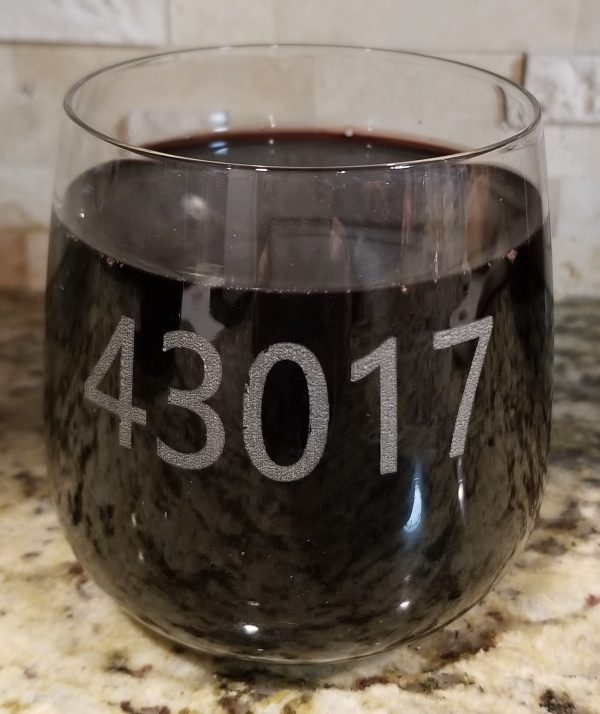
x: 318, y: 411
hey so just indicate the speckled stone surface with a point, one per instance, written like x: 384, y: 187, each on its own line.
x: 532, y: 645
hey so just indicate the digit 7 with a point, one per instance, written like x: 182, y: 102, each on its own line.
x: 480, y: 330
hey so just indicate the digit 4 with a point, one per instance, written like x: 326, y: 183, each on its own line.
x: 121, y: 341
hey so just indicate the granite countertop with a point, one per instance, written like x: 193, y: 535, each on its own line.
x: 532, y: 645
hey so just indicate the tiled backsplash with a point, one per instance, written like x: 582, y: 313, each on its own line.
x: 94, y: 22
x: 45, y: 45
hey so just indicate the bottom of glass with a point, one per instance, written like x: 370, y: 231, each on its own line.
x: 222, y: 653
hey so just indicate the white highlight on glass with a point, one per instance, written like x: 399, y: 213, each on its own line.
x: 416, y: 515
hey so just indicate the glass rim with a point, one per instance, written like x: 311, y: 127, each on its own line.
x: 72, y: 114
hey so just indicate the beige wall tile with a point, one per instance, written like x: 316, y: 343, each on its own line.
x: 510, y: 64
x: 33, y: 81
x: 573, y: 154
x: 217, y: 22
x: 126, y: 22
x: 575, y: 244
x: 573, y: 151
x: 25, y: 194
x: 573, y: 159
x: 431, y: 25
x: 587, y: 32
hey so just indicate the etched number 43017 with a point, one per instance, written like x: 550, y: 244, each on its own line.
x: 383, y: 359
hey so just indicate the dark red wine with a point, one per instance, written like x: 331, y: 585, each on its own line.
x: 272, y: 507
x: 289, y: 148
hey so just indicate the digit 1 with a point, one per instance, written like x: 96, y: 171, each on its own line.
x: 480, y: 330
x: 318, y: 411
x: 384, y: 359
x: 121, y: 341
x: 193, y: 399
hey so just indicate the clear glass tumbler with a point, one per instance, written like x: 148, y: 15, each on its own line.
x: 299, y: 342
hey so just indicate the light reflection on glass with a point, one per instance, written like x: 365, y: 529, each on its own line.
x: 219, y: 121
x: 219, y: 148
x: 413, y: 524
x: 460, y: 477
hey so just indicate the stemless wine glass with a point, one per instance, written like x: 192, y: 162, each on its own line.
x: 299, y: 342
